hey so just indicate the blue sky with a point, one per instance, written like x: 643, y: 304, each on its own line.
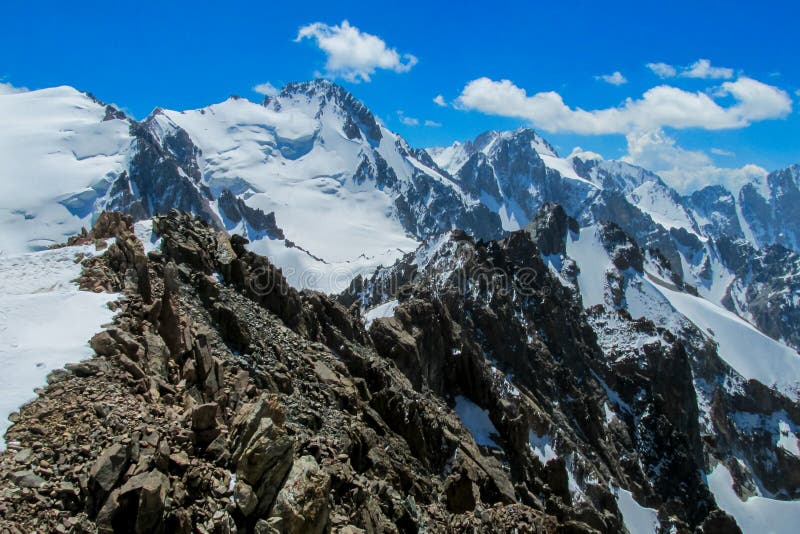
x: 188, y: 55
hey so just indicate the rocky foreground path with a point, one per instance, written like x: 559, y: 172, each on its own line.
x: 221, y: 400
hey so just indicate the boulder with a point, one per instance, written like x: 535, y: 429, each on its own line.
x: 27, y: 479
x: 138, y: 506
x: 106, y: 473
x: 104, y: 344
x: 261, y: 450
x: 245, y: 498
x: 302, y: 503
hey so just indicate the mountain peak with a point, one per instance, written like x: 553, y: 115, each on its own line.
x: 323, y: 94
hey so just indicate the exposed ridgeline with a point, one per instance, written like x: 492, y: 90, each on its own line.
x: 646, y: 402
x: 222, y: 400
x: 316, y: 182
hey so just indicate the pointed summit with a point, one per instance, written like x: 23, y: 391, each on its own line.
x: 325, y: 95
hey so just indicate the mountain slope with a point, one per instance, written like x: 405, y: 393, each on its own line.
x: 316, y: 182
x: 60, y: 150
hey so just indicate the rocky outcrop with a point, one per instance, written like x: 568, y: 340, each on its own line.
x: 257, y: 223
x: 221, y: 399
x: 219, y: 403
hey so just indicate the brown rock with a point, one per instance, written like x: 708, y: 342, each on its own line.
x: 302, y: 503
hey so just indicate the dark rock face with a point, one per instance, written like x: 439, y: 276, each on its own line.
x: 717, y: 206
x: 163, y: 175
x: 258, y: 223
x: 766, y: 290
x: 458, y: 340
x: 320, y: 432
x: 770, y: 218
x: 654, y: 390
x: 549, y: 229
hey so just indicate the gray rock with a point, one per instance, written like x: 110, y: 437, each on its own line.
x: 245, y: 498
x: 204, y: 416
x: 138, y: 506
x: 302, y: 504
x: 106, y: 472
x: 27, y: 479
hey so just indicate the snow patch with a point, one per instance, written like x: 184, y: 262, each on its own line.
x: 542, y: 447
x: 637, y: 518
x: 144, y: 231
x: 586, y: 248
x: 45, y: 321
x: 756, y: 515
x: 383, y: 310
x: 787, y: 439
x: 477, y: 421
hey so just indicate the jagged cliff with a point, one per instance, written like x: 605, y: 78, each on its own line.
x: 223, y: 400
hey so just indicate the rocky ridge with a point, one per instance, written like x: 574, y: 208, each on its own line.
x: 222, y: 400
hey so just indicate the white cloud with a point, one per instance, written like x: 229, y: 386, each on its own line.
x: 8, y: 89
x: 439, y: 100
x: 432, y: 124
x: 685, y: 170
x: 720, y: 152
x: 585, y: 155
x: 797, y: 92
x: 661, y: 106
x: 702, y: 69
x: 615, y: 78
x: 266, y: 89
x: 662, y: 70
x: 408, y: 121
x: 352, y: 54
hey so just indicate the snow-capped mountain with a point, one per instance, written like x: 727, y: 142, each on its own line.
x: 342, y: 192
x: 347, y: 193
x: 316, y: 182
x: 648, y: 341
x: 692, y: 386
x: 60, y: 151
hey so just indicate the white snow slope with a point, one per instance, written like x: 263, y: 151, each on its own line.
x: 756, y: 515
x: 57, y: 156
x: 295, y: 159
x: 748, y: 351
x: 45, y: 321
x: 637, y: 518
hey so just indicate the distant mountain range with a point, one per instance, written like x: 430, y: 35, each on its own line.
x: 653, y: 335
x: 318, y: 184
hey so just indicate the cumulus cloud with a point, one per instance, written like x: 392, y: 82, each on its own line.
x: 663, y: 70
x: 8, y: 89
x: 585, y: 155
x: 702, y: 69
x: 432, y: 124
x: 661, y: 106
x: 352, y: 54
x: 439, y: 100
x: 408, y: 121
x: 266, y: 89
x: 616, y: 78
x: 685, y: 170
x: 721, y: 152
